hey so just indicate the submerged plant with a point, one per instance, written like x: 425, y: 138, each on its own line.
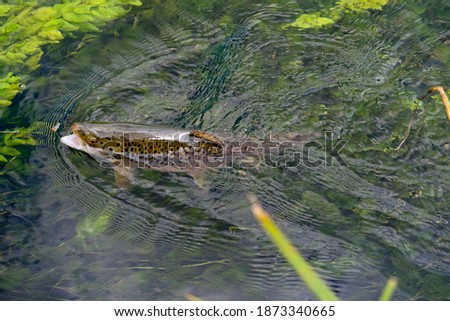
x: 329, y: 16
x: 359, y: 5
x: 9, y: 145
x: 25, y: 29
x: 312, y: 20
x: 9, y: 87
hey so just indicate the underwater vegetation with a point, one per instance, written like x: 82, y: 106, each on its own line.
x: 26, y: 28
x: 11, y: 143
x: 9, y: 87
x: 331, y: 15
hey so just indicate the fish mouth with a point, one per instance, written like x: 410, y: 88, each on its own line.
x: 73, y: 141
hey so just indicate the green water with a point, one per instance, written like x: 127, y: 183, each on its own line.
x: 228, y: 68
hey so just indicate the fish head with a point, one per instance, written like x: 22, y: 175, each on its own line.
x: 87, y: 137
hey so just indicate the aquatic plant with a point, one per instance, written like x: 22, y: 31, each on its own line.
x: 312, y: 280
x: 9, y: 87
x: 359, y: 5
x: 9, y: 142
x: 312, y: 20
x: 329, y: 16
x: 26, y: 29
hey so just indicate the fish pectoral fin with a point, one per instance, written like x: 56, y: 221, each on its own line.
x: 199, y: 177
x: 124, y: 177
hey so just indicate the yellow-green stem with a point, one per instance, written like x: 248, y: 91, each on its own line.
x: 309, y: 276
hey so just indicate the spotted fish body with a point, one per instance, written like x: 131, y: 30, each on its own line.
x: 147, y: 146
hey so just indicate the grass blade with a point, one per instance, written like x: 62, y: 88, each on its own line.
x: 309, y: 276
x: 389, y: 289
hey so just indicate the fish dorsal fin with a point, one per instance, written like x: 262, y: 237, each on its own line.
x: 206, y: 136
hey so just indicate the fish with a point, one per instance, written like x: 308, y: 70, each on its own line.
x: 126, y: 146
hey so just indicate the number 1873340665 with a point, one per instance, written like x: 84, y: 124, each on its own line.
x: 290, y: 310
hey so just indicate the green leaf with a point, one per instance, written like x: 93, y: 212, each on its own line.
x: 59, y: 24
x: 4, y: 9
x: 20, y: 141
x: 9, y: 27
x: 5, y: 103
x: 96, y: 2
x: 52, y: 35
x: 82, y: 9
x: 132, y: 2
x: 77, y: 18
x: 86, y: 26
x: 31, y: 47
x: 361, y: 5
x: 3, y: 159
x: 44, y: 13
x: 312, y: 280
x: 10, y: 151
x: 9, y: 87
x: 15, y: 56
x: 135, y: 3
x: 314, y: 20
x: 108, y: 13
x: 389, y: 289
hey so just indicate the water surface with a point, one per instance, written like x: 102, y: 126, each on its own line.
x: 68, y: 232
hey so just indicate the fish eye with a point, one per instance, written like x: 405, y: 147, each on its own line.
x: 91, y: 139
